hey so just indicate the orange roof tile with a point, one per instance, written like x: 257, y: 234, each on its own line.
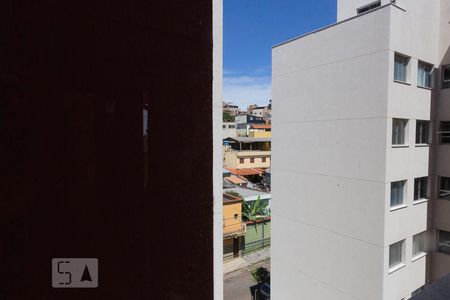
x: 261, y: 126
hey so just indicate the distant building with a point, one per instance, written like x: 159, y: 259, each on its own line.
x: 233, y: 227
x: 260, y: 130
x: 243, y: 123
x: 229, y: 129
x: 231, y: 108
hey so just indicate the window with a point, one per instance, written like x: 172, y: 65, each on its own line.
x: 263, y: 159
x: 224, y: 126
x: 424, y: 74
x: 444, y: 188
x: 368, y: 7
x: 444, y: 132
x: 396, y: 254
x: 236, y: 216
x: 422, y: 132
x: 444, y: 241
x: 399, y: 131
x: 252, y: 160
x: 232, y: 126
x: 419, y: 244
x: 420, y: 188
x: 241, y: 160
x: 401, y: 65
x: 397, y: 193
x: 446, y: 77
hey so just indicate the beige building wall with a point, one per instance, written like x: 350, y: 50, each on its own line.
x: 232, y: 159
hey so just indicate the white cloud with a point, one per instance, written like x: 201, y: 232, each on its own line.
x: 246, y: 90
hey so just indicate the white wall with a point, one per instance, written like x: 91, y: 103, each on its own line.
x: 217, y: 150
x: 329, y: 127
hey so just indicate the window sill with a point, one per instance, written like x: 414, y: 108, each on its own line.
x: 396, y: 268
x: 422, y: 145
x: 402, y: 82
x: 419, y: 256
x: 400, y: 146
x: 424, y: 200
x: 398, y: 207
x: 425, y: 87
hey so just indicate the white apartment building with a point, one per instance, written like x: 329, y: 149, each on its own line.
x: 359, y: 112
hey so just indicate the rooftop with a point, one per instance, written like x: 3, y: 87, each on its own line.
x: 245, y: 193
x: 247, y: 139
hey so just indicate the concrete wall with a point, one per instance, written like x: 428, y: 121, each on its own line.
x: 232, y: 159
x: 334, y: 116
x: 329, y: 126
x: 229, y: 129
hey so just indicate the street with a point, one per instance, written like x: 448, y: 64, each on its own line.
x: 237, y: 284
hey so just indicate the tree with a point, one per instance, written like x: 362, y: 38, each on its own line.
x: 256, y: 210
x: 227, y: 117
x: 261, y: 275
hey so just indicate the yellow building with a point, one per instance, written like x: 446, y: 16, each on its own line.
x: 246, y: 159
x: 233, y: 227
x: 260, y: 131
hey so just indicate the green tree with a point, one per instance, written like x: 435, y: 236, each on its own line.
x: 256, y: 210
x: 227, y: 117
x: 261, y: 275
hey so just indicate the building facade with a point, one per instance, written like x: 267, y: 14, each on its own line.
x: 229, y: 129
x: 356, y: 129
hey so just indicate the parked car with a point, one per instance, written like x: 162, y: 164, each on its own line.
x: 265, y: 290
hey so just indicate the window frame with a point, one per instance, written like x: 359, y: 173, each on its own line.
x: 428, y: 133
x: 419, y: 198
x: 444, y: 132
x: 393, y: 266
x: 422, y: 248
x: 445, y: 84
x: 402, y: 183
x: 407, y: 68
x: 252, y: 160
x: 405, y: 133
x: 421, y: 62
x: 368, y: 7
x: 241, y: 160
x: 442, y: 243
x: 263, y: 159
x: 441, y: 188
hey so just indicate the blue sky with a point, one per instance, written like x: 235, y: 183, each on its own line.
x: 251, y: 28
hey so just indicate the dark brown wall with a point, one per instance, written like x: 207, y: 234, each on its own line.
x: 73, y: 78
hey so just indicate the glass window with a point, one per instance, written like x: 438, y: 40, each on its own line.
x: 444, y: 132
x: 401, y: 67
x: 241, y: 160
x: 397, y: 193
x: 444, y: 241
x: 419, y: 244
x: 446, y: 77
x: 399, y: 131
x: 366, y: 8
x: 424, y: 74
x: 444, y: 188
x: 252, y: 160
x: 422, y: 132
x: 232, y: 126
x: 263, y: 159
x: 396, y: 254
x: 420, y: 188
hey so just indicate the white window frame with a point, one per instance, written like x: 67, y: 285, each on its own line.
x: 421, y: 62
x: 426, y: 189
x: 405, y: 132
x: 401, y: 183
x: 407, y: 68
x: 394, y: 266
x: 419, y: 248
x: 428, y: 133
